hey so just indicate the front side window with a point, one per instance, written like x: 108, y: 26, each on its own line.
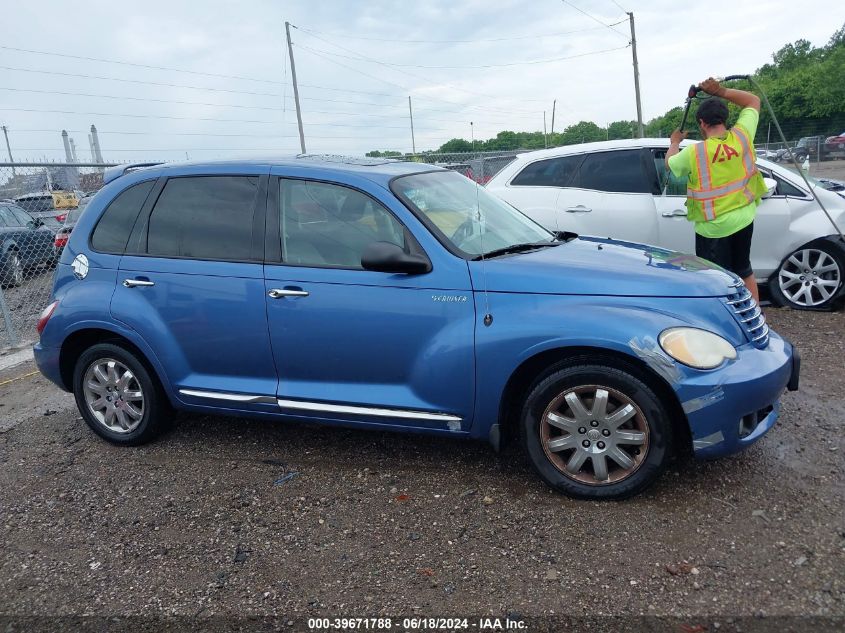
x: 323, y: 224
x: 669, y: 183
x: 5, y: 217
x: 204, y: 217
x: 616, y: 172
x: 553, y: 172
x: 113, y: 229
x: 19, y: 217
x: 466, y: 215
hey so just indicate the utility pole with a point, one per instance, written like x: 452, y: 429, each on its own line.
x: 636, y: 75
x: 554, y: 103
x: 295, y: 90
x: 411, y: 112
x: 9, y: 149
x: 545, y: 134
x: 472, y: 135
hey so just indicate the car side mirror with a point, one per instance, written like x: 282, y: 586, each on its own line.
x: 34, y: 224
x: 771, y: 187
x: 386, y: 257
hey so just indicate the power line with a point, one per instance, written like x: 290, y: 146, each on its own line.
x: 507, y: 64
x: 332, y: 61
x: 263, y: 94
x: 138, y: 81
x: 621, y: 9
x: 473, y: 41
x: 124, y: 63
x: 595, y: 19
x: 504, y: 65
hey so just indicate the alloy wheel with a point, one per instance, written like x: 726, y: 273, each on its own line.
x: 595, y: 435
x: 809, y: 277
x: 113, y: 395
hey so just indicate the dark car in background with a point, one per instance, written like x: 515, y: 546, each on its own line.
x: 66, y: 229
x: 25, y: 243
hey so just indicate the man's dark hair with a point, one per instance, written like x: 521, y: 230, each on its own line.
x: 713, y: 111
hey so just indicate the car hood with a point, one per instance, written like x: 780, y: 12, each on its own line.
x: 594, y: 266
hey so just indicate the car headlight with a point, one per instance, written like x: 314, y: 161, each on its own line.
x: 697, y: 348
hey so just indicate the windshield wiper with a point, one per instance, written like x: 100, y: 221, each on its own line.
x: 514, y: 248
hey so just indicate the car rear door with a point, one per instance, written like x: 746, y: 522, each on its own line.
x: 355, y: 345
x: 611, y: 195
x: 192, y: 285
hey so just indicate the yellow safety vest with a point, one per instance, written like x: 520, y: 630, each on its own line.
x: 723, y: 176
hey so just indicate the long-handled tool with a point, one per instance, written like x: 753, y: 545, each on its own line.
x: 692, y: 94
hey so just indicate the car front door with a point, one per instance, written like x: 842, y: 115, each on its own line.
x: 362, y: 346
x: 674, y: 231
x: 610, y: 196
x: 192, y: 285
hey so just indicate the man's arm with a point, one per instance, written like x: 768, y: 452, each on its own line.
x: 674, y: 145
x: 740, y: 97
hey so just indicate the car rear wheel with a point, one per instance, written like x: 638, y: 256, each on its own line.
x: 117, y: 396
x: 596, y: 432
x: 12, y: 274
x: 810, y: 278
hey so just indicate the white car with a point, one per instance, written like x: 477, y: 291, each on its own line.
x: 620, y: 189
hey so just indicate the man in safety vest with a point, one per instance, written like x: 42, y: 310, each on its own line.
x: 724, y: 185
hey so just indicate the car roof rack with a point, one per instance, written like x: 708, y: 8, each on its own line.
x: 113, y: 173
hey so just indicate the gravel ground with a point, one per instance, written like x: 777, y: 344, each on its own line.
x: 240, y: 518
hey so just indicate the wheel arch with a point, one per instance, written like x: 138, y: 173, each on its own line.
x: 535, y: 368
x: 77, y: 342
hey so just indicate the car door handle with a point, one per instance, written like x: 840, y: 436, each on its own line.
x: 675, y: 213
x: 132, y: 283
x: 578, y: 209
x: 279, y: 293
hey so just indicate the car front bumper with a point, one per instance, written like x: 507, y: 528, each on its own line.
x: 731, y: 408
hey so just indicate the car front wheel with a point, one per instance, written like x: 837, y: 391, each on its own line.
x: 810, y: 278
x: 596, y: 432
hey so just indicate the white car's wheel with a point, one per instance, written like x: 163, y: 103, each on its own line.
x: 811, y: 277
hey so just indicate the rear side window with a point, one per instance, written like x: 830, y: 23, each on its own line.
x: 206, y: 217
x: 617, y: 172
x: 115, y: 225
x: 554, y: 172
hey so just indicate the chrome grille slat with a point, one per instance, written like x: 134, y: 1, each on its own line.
x: 757, y: 312
x: 748, y: 314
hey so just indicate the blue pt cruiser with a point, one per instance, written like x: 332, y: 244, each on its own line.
x: 390, y: 295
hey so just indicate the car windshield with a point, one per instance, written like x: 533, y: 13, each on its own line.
x: 469, y: 217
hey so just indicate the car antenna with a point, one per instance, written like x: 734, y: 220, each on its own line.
x: 488, y: 317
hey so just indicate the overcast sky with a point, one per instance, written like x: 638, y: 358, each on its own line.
x: 211, y: 79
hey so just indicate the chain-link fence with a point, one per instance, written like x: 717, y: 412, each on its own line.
x: 39, y: 204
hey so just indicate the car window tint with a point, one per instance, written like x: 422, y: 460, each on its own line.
x: 115, y: 225
x: 37, y: 204
x: 330, y: 225
x: 554, y: 172
x: 206, y: 217
x: 4, y: 211
x: 673, y: 185
x: 21, y: 216
x: 785, y: 188
x: 618, y: 171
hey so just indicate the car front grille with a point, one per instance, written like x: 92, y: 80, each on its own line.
x: 748, y: 314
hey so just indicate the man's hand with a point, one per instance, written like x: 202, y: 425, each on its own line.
x: 676, y: 137
x: 712, y: 86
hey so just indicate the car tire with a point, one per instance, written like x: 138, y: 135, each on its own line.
x: 811, y: 277
x: 118, y: 397
x: 13, y: 273
x: 589, y: 454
